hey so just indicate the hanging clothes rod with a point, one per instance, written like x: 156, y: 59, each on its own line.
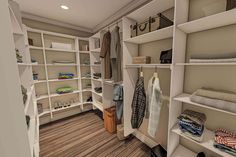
x: 113, y: 23
x: 148, y: 66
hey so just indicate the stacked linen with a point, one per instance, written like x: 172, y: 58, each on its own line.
x: 191, y: 123
x: 225, y: 141
x: 215, y: 98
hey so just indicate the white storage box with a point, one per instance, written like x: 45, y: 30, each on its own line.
x: 61, y: 46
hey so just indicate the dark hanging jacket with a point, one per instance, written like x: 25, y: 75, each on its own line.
x: 138, y: 104
x: 105, y: 54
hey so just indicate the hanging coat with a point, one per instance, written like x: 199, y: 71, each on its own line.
x: 105, y: 54
x: 138, y: 104
x: 154, y: 104
x: 116, y: 55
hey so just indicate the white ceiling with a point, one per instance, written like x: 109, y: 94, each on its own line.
x: 83, y: 13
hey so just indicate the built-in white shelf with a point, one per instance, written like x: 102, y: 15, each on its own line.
x: 207, y: 142
x: 84, y: 65
x: 209, y: 22
x: 23, y: 64
x: 39, y: 81
x: 42, y: 97
x: 167, y: 66
x: 99, y: 94
x: 98, y: 105
x: 58, y: 64
x: 35, y: 48
x: 96, y: 65
x: 60, y: 50
x: 206, y: 64
x: 56, y: 95
x: 62, y: 80
x: 87, y: 90
x: 97, y: 80
x: 33, y: 64
x: 182, y: 151
x: 98, y: 50
x: 64, y: 108
x: 86, y: 78
x: 159, y: 34
x: 44, y: 113
x: 185, y: 98
x: 84, y: 52
x: 29, y: 96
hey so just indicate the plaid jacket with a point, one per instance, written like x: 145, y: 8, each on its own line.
x: 138, y: 104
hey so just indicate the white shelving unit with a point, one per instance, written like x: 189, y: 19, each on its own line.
x: 48, y: 71
x: 25, y: 75
x: 206, y: 35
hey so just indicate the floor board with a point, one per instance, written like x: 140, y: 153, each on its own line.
x: 85, y: 136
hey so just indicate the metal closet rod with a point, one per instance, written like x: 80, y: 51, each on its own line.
x: 113, y: 23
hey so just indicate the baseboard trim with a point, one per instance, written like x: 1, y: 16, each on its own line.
x: 145, y: 139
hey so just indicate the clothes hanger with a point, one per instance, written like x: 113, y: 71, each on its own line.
x: 155, y: 74
x: 141, y: 72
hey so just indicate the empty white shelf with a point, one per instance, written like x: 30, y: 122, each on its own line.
x: 168, y: 66
x: 96, y: 50
x: 61, y: 64
x: 85, y: 52
x: 186, y: 99
x: 206, y: 64
x: 182, y: 151
x: 35, y: 48
x: 59, y: 50
x: 99, y: 94
x: 39, y: 81
x: 98, y: 80
x: 207, y: 142
x: 209, y: 22
x: 44, y: 113
x: 159, y: 34
x: 98, y: 105
x: 42, y: 97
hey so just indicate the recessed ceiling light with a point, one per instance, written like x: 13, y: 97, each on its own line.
x: 64, y: 7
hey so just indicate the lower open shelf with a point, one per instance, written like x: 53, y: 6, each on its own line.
x: 98, y: 105
x: 207, y: 142
x: 182, y: 151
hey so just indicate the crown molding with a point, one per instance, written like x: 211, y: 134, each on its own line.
x: 135, y: 4
x: 54, y: 22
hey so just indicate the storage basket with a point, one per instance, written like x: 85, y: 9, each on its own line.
x: 110, y: 119
x: 142, y: 60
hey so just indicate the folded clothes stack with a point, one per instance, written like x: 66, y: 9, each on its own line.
x: 191, y: 123
x: 63, y: 90
x: 215, y: 98
x: 225, y: 141
x: 98, y: 89
x: 97, y: 75
x: 65, y: 76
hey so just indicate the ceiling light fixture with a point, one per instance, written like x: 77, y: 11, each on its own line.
x: 64, y: 7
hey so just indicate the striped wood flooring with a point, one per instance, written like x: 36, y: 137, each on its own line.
x: 85, y: 135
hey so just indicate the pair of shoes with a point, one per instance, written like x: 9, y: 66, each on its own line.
x: 98, y: 89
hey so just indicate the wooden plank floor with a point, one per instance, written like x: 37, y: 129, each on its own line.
x: 85, y: 135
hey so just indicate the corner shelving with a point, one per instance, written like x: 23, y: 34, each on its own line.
x: 29, y: 96
x: 209, y: 22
